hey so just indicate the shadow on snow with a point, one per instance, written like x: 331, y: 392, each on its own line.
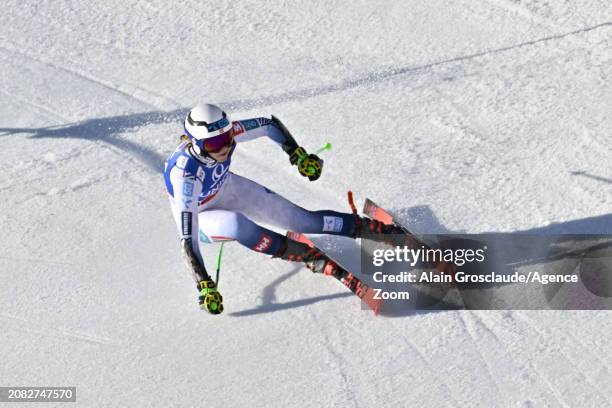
x: 268, y: 302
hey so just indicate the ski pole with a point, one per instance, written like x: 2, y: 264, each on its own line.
x: 326, y: 146
x: 219, y: 263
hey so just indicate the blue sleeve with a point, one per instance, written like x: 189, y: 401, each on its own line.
x: 250, y: 129
x: 185, y: 179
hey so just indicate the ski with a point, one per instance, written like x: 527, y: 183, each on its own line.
x: 373, y: 210
x: 354, y: 284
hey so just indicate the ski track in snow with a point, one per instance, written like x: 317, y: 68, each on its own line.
x: 51, y: 114
x: 570, y: 363
x: 399, y: 331
x: 392, y: 73
x: 477, y: 347
x: 40, y: 329
x: 533, y: 17
x: 324, y: 343
x: 78, y: 74
x: 340, y: 364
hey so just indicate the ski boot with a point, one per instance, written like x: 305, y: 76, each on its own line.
x: 210, y: 299
x: 378, y: 231
x: 314, y: 259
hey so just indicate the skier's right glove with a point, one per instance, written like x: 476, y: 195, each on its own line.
x: 210, y: 299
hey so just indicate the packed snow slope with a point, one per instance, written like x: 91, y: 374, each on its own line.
x: 460, y: 115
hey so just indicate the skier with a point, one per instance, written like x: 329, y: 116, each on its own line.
x: 211, y: 204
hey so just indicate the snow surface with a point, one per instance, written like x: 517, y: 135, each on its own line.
x: 463, y: 116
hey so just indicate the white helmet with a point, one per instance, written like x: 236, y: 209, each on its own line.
x: 207, y: 121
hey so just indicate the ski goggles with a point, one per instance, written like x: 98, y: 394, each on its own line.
x: 218, y: 143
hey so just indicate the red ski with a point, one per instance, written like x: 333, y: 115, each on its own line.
x: 373, y: 210
x: 354, y: 284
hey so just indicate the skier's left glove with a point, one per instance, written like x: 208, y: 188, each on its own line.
x: 309, y: 165
x: 210, y: 298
